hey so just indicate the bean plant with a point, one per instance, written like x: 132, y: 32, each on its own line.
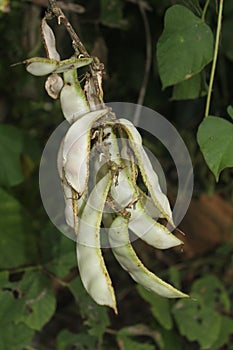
x: 56, y: 293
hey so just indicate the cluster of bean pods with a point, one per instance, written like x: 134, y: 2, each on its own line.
x: 99, y: 161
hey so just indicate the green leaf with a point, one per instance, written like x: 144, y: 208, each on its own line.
x: 197, y: 321
x: 11, y: 147
x: 224, y: 334
x: 62, y: 265
x: 15, y: 336
x: 160, y: 307
x: 175, y: 277
x: 212, y: 292
x: 58, y: 251
x: 193, y: 5
x: 29, y: 301
x: 230, y: 111
x: 82, y: 341
x: 112, y: 13
x: 4, y: 275
x: 171, y: 339
x: 215, y: 138
x: 17, y: 239
x: 11, y: 304
x: 38, y: 299
x: 191, y: 88
x: 96, y: 316
x: 185, y: 46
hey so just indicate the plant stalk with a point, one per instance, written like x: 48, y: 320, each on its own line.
x: 204, y: 10
x: 218, y: 32
x: 96, y: 68
x: 77, y: 44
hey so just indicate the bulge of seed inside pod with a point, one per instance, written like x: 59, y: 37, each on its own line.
x: 53, y: 85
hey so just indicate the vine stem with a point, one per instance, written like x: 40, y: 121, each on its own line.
x: 143, y: 88
x: 218, y: 32
x: 204, y: 10
x: 77, y: 44
x: 96, y: 67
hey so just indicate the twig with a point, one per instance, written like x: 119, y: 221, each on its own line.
x: 219, y: 25
x: 76, y: 42
x: 67, y: 7
x: 143, y: 88
x: 71, y: 7
x: 97, y: 67
x: 55, y: 278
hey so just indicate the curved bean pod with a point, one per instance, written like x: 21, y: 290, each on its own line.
x: 149, y: 230
x: 149, y: 176
x: 49, y: 40
x: 79, y: 128
x: 54, y: 82
x: 147, y: 201
x: 73, y: 204
x: 91, y: 264
x: 127, y: 258
x: 143, y: 225
x: 40, y: 66
x: 76, y: 150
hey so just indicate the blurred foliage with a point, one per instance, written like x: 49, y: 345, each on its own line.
x: 43, y: 303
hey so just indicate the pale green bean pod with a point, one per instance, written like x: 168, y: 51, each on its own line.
x: 126, y: 192
x: 149, y: 176
x: 91, y: 264
x: 49, y: 41
x: 73, y: 204
x: 76, y: 150
x: 127, y: 258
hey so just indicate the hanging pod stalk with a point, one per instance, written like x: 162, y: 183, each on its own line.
x: 91, y: 264
x: 127, y: 258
